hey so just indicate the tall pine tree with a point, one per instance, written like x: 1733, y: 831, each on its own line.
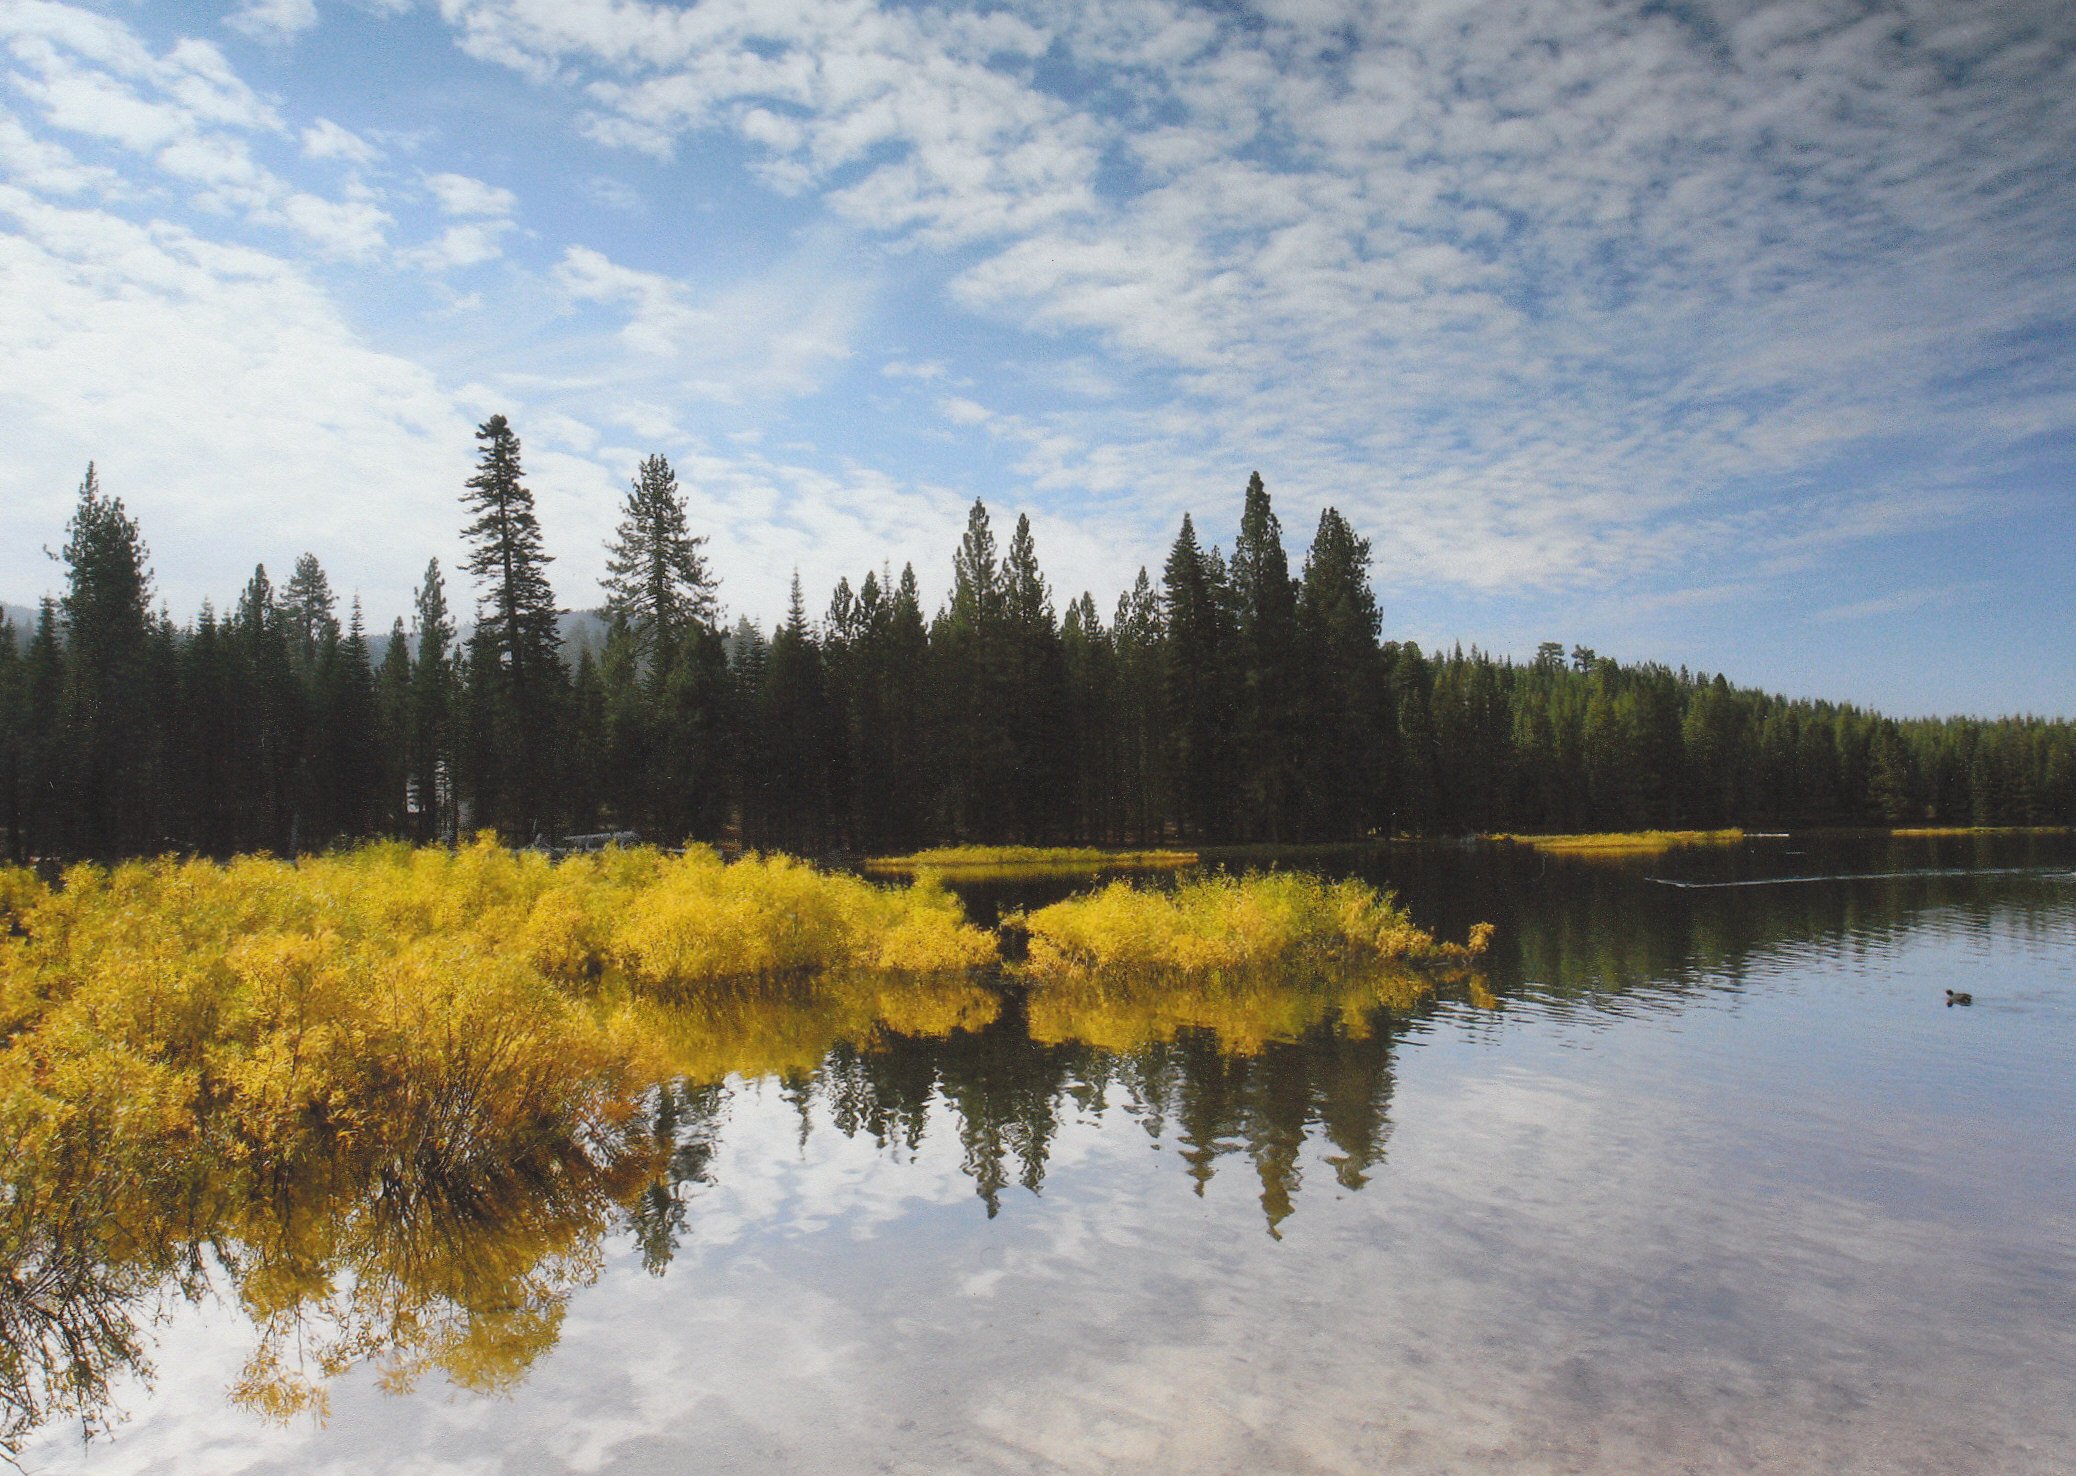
x: 514, y: 667
x: 1265, y: 599
x: 1337, y: 627
x: 656, y: 577
x: 107, y: 617
x: 1202, y: 709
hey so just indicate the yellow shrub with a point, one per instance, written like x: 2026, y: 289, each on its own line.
x: 416, y: 1004
x: 1213, y: 923
x: 699, y: 920
x: 21, y: 890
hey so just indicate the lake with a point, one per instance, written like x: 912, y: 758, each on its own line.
x: 1699, y: 1173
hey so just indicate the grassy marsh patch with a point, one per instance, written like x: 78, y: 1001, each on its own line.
x: 1623, y: 842
x: 981, y: 863
x: 1922, y: 832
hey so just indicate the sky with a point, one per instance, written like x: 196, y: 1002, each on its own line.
x: 1736, y: 336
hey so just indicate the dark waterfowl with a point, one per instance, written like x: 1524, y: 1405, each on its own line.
x: 1956, y: 997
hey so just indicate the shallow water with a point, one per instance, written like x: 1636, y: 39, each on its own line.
x: 1694, y: 1178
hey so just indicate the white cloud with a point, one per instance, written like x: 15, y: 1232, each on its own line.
x: 461, y: 246
x: 348, y: 228
x: 925, y: 369
x: 485, y: 216
x: 775, y: 334
x: 273, y: 20
x: 615, y: 194
x: 1904, y: 601
x: 224, y: 398
x: 186, y: 111
x: 49, y: 168
x: 325, y: 139
x: 458, y: 194
x: 660, y: 319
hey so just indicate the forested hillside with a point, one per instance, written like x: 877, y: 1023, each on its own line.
x: 1226, y: 697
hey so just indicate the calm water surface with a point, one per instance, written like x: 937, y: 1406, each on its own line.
x: 1696, y: 1177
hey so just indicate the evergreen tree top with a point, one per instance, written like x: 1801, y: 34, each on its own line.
x: 1335, y: 593
x: 976, y: 576
x: 107, y: 576
x: 429, y: 604
x: 656, y: 575
x: 516, y: 609
x: 1026, y: 598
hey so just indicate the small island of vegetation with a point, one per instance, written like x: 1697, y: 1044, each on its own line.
x: 975, y: 863
x: 1624, y: 842
x: 1226, y: 924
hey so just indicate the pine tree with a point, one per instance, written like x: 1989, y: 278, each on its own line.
x: 1265, y: 598
x: 629, y: 736
x: 164, y: 760
x: 656, y: 576
x: 749, y: 664
x: 431, y: 751
x: 274, y: 722
x: 970, y: 650
x: 1337, y: 629
x: 585, y: 745
x: 212, y: 705
x: 393, y: 707
x: 350, y: 735
x: 1415, y: 789
x: 842, y: 655
x: 14, y: 732
x: 1142, y: 721
x: 1197, y: 613
x: 309, y: 612
x: 1034, y: 695
x: 513, y: 663
x: 858, y: 694
x: 1091, y: 709
x: 107, y: 618
x: 912, y: 808
x: 794, y: 733
x: 44, y: 782
x: 689, y: 780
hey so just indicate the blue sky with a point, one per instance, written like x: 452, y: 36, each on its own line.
x: 1733, y: 335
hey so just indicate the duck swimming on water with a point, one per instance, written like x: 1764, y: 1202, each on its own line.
x: 1956, y: 997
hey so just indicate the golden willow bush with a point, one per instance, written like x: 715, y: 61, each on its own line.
x: 1265, y: 920
x: 443, y: 1008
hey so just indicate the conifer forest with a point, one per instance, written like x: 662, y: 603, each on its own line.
x: 1247, y: 696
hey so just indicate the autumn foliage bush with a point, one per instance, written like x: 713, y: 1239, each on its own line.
x: 430, y: 1010
x: 1227, y: 923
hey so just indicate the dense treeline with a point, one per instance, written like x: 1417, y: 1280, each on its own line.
x: 1226, y: 699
